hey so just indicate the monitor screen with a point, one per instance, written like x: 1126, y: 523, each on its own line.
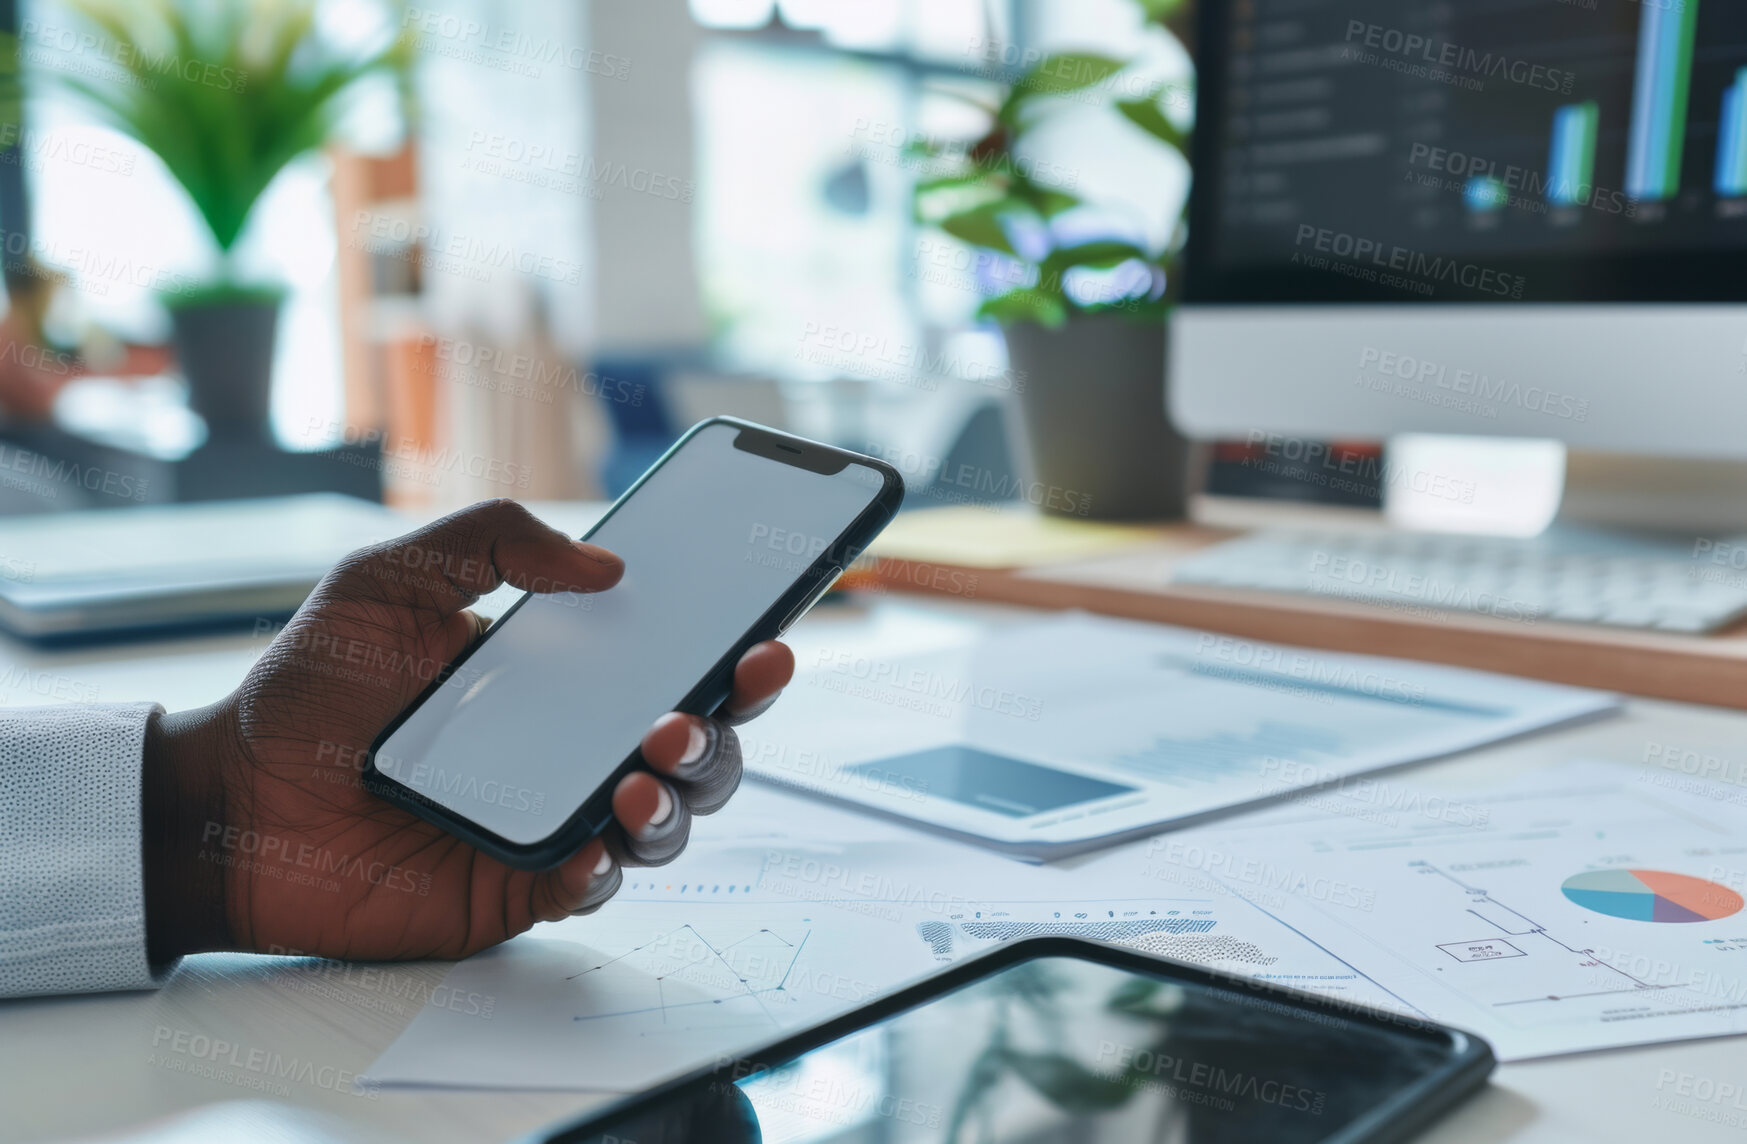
x: 1514, y: 150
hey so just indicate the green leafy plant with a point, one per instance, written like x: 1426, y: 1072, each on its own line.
x: 982, y: 194
x: 225, y: 92
x: 11, y: 88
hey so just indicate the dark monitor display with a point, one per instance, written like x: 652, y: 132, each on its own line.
x: 1460, y: 151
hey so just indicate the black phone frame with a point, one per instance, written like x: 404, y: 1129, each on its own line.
x: 1402, y: 1116
x: 707, y: 696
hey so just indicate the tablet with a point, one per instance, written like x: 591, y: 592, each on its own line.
x: 1061, y: 1040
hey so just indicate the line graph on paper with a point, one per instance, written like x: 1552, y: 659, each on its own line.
x: 721, y: 974
x: 685, y: 978
x: 644, y: 990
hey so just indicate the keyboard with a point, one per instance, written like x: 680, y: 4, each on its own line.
x: 1616, y: 580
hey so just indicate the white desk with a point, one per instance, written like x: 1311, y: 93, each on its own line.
x: 78, y: 1066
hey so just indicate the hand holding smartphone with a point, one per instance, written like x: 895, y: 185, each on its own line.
x: 731, y: 536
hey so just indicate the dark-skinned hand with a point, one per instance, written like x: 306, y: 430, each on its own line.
x: 259, y: 834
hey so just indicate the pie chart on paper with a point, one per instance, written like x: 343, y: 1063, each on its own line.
x: 1652, y: 896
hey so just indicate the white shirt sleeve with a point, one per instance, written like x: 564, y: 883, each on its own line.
x: 72, y: 889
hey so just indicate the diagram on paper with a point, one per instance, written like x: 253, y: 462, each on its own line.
x: 1576, y: 919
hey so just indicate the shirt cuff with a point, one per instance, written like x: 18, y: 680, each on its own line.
x: 72, y: 889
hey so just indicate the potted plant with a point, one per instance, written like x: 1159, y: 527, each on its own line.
x: 1084, y: 313
x: 226, y: 93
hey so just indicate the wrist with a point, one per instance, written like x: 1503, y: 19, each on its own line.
x: 182, y: 808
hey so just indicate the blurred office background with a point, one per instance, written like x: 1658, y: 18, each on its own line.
x: 532, y: 250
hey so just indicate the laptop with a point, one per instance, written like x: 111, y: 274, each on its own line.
x: 162, y: 568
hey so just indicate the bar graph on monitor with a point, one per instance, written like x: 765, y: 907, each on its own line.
x: 1659, y: 97
x: 1731, y: 177
x: 1571, y: 163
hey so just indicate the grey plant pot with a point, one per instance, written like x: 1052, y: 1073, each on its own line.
x: 1093, y: 398
x: 225, y: 350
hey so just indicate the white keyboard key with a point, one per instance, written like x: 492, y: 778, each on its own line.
x: 1630, y: 616
x: 1685, y: 622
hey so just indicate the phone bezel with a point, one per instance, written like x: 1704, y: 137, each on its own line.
x: 1401, y: 1117
x: 705, y: 697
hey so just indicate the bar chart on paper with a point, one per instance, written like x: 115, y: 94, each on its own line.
x: 1148, y: 924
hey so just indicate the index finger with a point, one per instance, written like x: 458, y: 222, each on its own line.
x: 451, y: 563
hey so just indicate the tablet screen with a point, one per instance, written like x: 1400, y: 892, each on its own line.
x: 1058, y: 1049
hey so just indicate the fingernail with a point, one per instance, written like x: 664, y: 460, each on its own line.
x: 663, y: 812
x: 606, y: 862
x: 696, y: 743
x: 601, y: 888
x: 596, y: 553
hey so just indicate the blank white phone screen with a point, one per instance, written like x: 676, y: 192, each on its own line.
x: 561, y: 691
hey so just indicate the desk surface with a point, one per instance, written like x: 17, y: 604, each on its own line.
x: 80, y: 1066
x: 1135, y: 581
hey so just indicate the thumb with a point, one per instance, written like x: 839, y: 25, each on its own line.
x: 449, y: 564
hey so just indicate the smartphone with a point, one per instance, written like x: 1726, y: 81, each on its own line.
x: 727, y: 540
x: 1057, y: 1040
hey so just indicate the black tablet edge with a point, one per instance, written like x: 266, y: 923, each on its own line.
x: 1396, y: 1120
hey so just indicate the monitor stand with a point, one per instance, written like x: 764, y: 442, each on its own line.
x: 1513, y: 487
x: 1701, y: 498
x: 1495, y: 527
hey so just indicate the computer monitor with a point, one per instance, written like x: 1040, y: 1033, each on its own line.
x: 1518, y: 218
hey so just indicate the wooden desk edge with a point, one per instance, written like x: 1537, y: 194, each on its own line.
x: 1691, y: 669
